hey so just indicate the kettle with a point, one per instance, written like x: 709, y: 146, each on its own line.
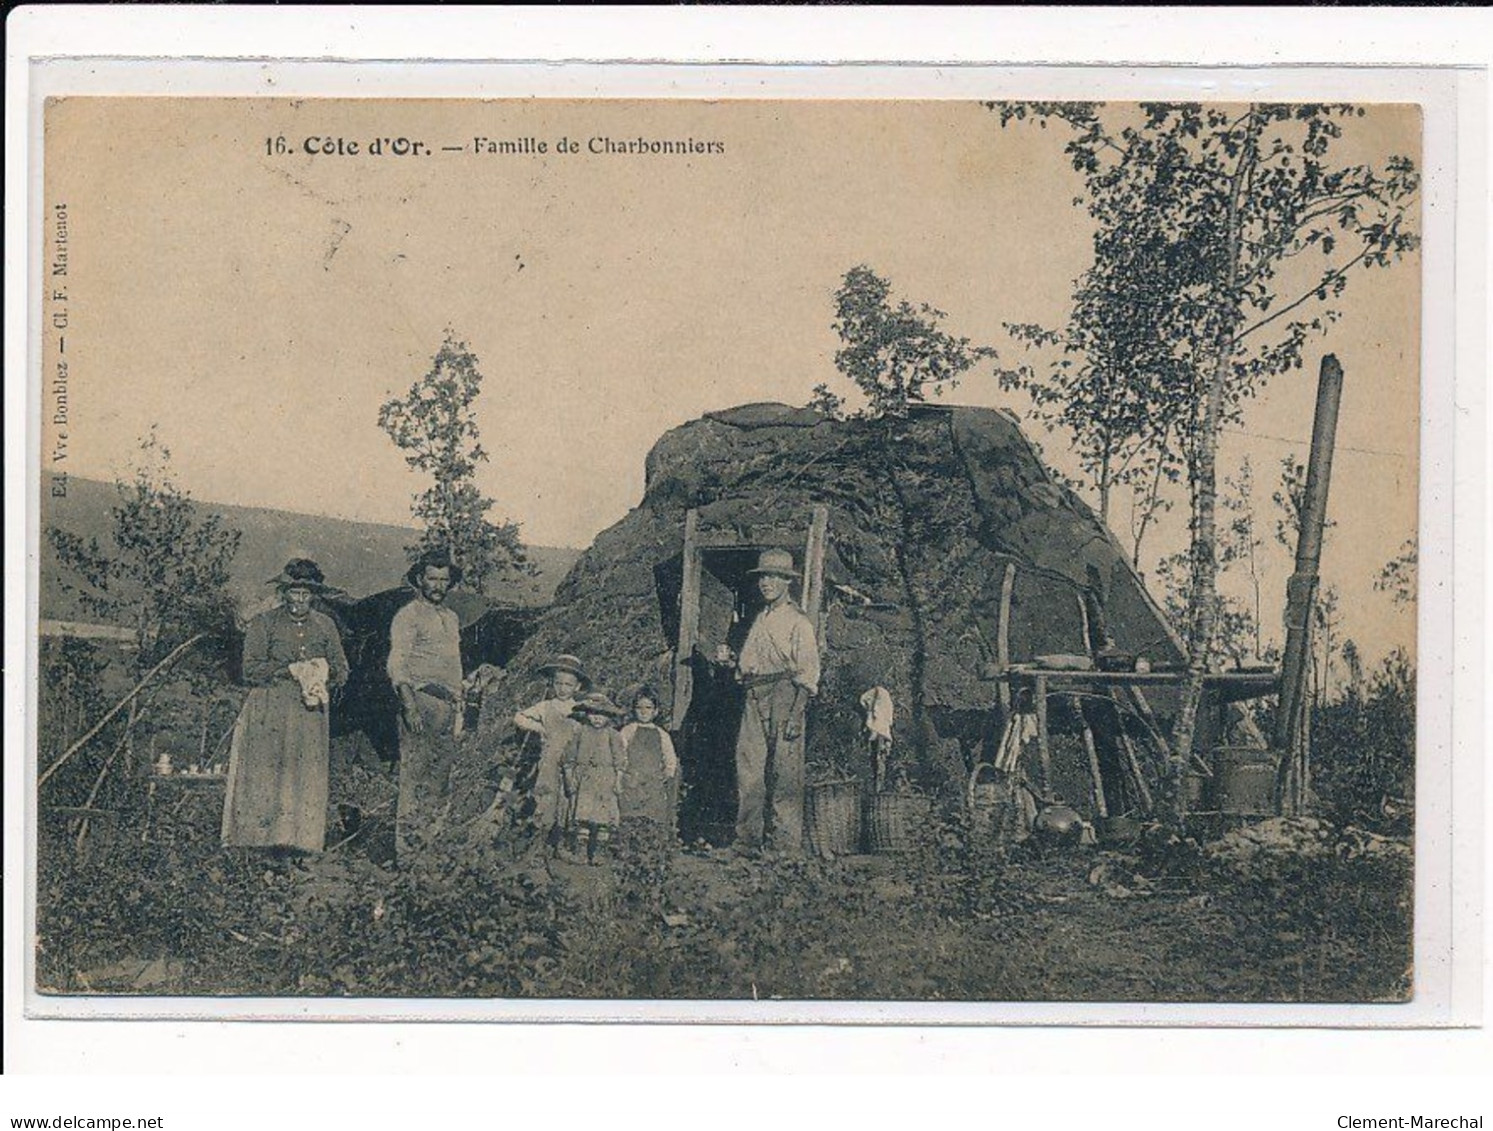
x: 1058, y: 822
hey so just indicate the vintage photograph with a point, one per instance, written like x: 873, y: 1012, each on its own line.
x: 812, y: 550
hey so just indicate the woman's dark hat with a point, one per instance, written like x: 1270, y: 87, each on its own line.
x: 775, y: 563
x: 565, y: 663
x: 597, y: 704
x: 303, y: 573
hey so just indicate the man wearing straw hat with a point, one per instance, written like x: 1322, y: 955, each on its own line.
x: 779, y: 670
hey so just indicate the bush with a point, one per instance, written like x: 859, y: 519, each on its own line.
x: 1336, y: 923
x: 1363, y: 751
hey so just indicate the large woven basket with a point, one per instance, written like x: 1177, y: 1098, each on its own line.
x: 832, y: 818
x: 892, y: 820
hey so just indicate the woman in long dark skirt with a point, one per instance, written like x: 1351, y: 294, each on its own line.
x: 278, y: 763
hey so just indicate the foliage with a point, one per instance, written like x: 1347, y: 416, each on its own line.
x: 165, y: 569
x: 70, y: 697
x: 1216, y: 214
x: 1363, y: 749
x: 1398, y: 577
x: 957, y: 918
x: 1337, y: 925
x: 435, y: 425
x: 1114, y: 385
x: 895, y: 354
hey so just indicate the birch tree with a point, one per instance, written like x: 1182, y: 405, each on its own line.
x: 1243, y: 232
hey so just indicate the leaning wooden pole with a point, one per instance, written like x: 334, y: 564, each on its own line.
x: 114, y: 710
x: 1301, y: 592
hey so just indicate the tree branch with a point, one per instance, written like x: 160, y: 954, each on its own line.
x: 1336, y: 273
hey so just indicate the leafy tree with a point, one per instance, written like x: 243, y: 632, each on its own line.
x: 435, y: 426
x: 1114, y: 385
x: 894, y: 353
x: 163, y: 571
x: 165, y: 568
x: 1241, y: 232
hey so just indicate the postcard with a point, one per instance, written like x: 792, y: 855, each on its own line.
x: 764, y: 558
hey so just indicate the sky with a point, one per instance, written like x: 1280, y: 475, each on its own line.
x: 257, y: 306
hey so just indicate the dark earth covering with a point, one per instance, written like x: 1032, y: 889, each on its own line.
x: 924, y: 515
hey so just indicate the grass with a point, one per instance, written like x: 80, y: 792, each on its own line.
x: 956, y: 919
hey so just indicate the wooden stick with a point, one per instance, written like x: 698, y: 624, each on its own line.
x: 114, y: 710
x: 1143, y: 709
x: 1100, y: 805
x: 1147, y: 802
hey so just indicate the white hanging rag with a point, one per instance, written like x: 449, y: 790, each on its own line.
x: 877, y: 703
x: 1020, y: 730
x: 312, y: 676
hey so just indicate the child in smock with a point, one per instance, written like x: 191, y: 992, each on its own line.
x: 591, y: 771
x: 650, y: 783
x: 552, y: 719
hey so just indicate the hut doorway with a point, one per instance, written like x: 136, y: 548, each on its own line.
x: 718, y: 600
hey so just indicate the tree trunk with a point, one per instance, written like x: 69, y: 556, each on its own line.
x: 1104, y: 485
x: 1203, y: 600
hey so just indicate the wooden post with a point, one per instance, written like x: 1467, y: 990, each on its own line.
x: 1003, y: 638
x: 689, y: 618
x: 1301, y: 590
x: 813, y: 580
x: 1044, y: 750
x: 1100, y: 805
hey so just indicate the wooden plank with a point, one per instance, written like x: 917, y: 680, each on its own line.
x: 689, y: 618
x: 1044, y: 747
x: 1262, y: 682
x: 1101, y: 806
x: 813, y: 578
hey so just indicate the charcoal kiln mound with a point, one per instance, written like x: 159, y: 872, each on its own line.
x: 945, y: 550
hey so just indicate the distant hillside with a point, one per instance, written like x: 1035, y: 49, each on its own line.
x: 360, y: 557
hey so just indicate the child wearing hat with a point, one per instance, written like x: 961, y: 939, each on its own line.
x: 591, y: 770
x: 552, y: 720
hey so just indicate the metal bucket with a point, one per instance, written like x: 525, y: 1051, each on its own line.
x: 1244, y: 781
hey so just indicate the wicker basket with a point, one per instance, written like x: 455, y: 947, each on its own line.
x: 993, y: 805
x: 832, y: 817
x: 892, y: 819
